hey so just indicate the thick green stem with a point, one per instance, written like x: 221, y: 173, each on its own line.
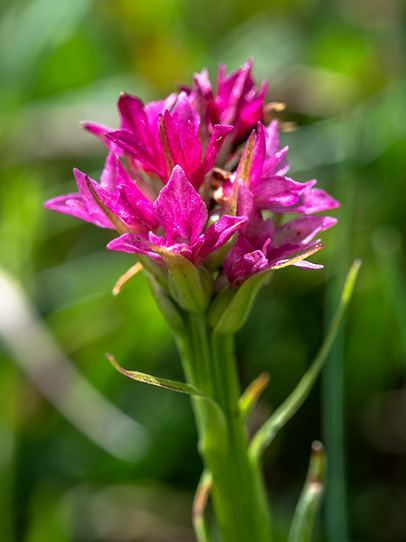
x: 238, y: 493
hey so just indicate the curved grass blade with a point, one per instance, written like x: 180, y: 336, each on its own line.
x: 303, y: 528
x: 289, y: 407
x: 199, y: 506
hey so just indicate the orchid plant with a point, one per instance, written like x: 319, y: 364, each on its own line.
x: 196, y: 186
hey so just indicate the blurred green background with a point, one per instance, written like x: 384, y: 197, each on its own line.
x: 68, y: 471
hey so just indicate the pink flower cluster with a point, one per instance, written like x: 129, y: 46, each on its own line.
x: 176, y: 180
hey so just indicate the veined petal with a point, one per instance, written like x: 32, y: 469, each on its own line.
x: 301, y: 230
x: 221, y: 231
x: 180, y: 210
x: 154, y: 109
x: 250, y: 165
x: 135, y: 244
x: 276, y: 164
x: 243, y: 261
x: 183, y: 113
x: 73, y: 205
x: 133, y: 117
x: 129, y: 142
x: 92, y: 207
x: 277, y: 193
x: 220, y: 132
x: 313, y: 200
x: 100, y: 131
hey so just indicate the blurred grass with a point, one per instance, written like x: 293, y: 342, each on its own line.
x: 340, y: 69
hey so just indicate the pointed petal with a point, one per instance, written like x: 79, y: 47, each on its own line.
x: 129, y: 142
x: 134, y: 244
x: 100, y: 131
x: 243, y: 261
x: 73, y: 205
x: 180, y: 210
x: 301, y: 230
x: 313, y: 201
x: 154, y: 109
x: 93, y: 209
x: 276, y: 164
x: 220, y: 132
x: 108, y: 178
x: 252, y: 159
x: 133, y: 117
x: 221, y: 231
x: 277, y: 193
x: 183, y: 113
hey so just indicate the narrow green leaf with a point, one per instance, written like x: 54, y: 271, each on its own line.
x: 173, y: 385
x: 291, y: 405
x: 181, y: 387
x: 251, y: 395
x: 303, y: 528
x: 199, y: 506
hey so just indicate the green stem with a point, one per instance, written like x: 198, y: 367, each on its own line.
x: 238, y: 493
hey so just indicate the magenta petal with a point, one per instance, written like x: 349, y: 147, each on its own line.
x: 276, y: 193
x: 133, y: 117
x: 220, y: 132
x: 221, y: 231
x: 304, y: 264
x: 192, y: 150
x: 183, y: 113
x: 108, y: 178
x: 129, y: 142
x: 301, y: 230
x: 73, y: 205
x: 171, y: 142
x: 313, y: 201
x: 243, y: 261
x: 134, y: 244
x: 180, y: 210
x: 245, y: 200
x: 100, y: 131
x: 259, y: 232
x: 276, y: 164
x: 96, y: 214
x: 154, y: 109
x: 258, y: 155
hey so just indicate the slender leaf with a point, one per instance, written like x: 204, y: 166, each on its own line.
x: 173, y: 385
x: 291, y: 405
x: 303, y: 528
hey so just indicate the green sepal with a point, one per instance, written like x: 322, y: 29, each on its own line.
x: 190, y: 287
x: 170, y: 311
x: 303, y: 528
x: 231, y: 308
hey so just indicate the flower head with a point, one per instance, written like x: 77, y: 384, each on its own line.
x: 177, y: 188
